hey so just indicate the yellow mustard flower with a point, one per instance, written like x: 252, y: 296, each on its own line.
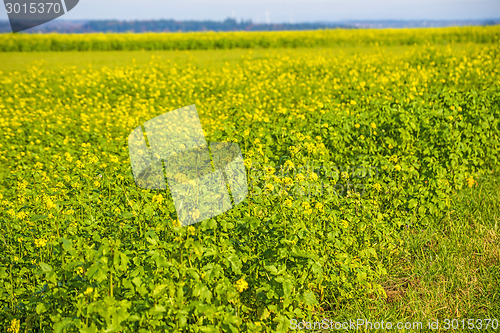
x: 470, y: 181
x: 49, y: 203
x: 195, y: 214
x: 313, y: 176
x: 241, y: 285
x: 158, y: 198
x: 15, y: 326
x: 22, y: 215
x: 40, y: 242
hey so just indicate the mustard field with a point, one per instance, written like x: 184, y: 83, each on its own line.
x: 349, y: 138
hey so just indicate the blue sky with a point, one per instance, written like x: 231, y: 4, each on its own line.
x: 283, y: 10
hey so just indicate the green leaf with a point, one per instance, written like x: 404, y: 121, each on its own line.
x: 157, y: 309
x: 46, y: 268
x: 62, y: 325
x: 309, y: 298
x: 287, y: 288
x: 38, y: 218
x: 128, y: 215
x: 67, y: 244
x: 271, y: 269
x: 412, y: 203
x: 41, y: 308
x: 91, y: 329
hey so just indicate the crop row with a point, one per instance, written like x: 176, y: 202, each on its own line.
x: 229, y: 40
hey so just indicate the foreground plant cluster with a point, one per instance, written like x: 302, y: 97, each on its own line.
x: 83, y: 249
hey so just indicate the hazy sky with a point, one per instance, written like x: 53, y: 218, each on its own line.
x: 283, y: 10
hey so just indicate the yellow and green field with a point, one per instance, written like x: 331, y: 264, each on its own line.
x: 372, y: 162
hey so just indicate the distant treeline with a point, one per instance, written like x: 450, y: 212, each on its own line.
x: 174, y: 26
x: 228, y: 40
x: 168, y: 26
x: 62, y: 26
